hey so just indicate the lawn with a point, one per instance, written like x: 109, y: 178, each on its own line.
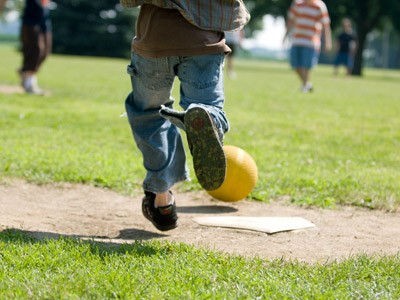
x: 336, y: 146
x: 72, y: 269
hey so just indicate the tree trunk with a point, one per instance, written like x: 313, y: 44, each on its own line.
x: 362, y: 31
x: 358, y: 59
x: 370, y: 12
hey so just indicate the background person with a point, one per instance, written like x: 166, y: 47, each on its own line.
x: 306, y: 21
x: 345, y: 45
x: 36, y: 41
x: 234, y: 41
x: 2, y: 4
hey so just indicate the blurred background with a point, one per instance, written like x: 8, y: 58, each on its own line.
x: 104, y: 28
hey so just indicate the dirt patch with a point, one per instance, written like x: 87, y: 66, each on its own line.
x: 14, y: 89
x: 11, y: 89
x: 88, y: 212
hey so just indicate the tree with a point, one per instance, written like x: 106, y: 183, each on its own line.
x: 367, y: 15
x: 11, y: 5
x: 94, y: 28
x: 260, y: 8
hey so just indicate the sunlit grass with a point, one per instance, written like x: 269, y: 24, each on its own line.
x: 338, y: 145
x: 73, y: 269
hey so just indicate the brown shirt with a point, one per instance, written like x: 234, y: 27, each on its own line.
x: 165, y: 32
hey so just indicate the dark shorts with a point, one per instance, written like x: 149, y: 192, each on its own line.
x: 303, y: 57
x: 343, y: 59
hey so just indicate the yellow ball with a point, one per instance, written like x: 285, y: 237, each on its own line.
x: 241, y: 176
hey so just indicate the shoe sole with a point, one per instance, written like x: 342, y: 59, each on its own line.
x: 208, y: 155
x: 162, y: 228
x: 158, y: 226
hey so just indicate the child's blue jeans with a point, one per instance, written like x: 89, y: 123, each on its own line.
x: 201, y: 84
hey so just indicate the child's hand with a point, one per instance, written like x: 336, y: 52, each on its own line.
x: 328, y: 45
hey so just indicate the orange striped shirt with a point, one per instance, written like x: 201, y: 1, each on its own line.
x: 308, y: 19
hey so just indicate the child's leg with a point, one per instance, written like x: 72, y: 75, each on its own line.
x: 30, y: 39
x: 45, y: 45
x: 31, y: 46
x: 158, y: 140
x: 202, y: 97
x: 202, y: 85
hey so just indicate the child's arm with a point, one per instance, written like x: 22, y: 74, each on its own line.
x: 289, y: 28
x: 328, y: 37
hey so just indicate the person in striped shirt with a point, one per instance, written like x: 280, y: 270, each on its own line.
x: 306, y: 21
x: 183, y: 39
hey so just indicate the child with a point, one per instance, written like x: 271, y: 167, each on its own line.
x: 308, y: 19
x: 345, y: 47
x: 185, y: 39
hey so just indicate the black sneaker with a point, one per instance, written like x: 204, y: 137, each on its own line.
x: 174, y: 116
x: 163, y: 218
x: 206, y: 147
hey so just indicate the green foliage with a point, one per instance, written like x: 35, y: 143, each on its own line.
x: 259, y: 8
x: 336, y: 146
x: 11, y: 6
x: 95, y: 28
x: 65, y: 268
x: 372, y: 12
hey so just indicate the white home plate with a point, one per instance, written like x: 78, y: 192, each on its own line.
x: 264, y: 224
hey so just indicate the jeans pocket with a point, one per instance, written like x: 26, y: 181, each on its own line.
x: 202, y: 71
x: 153, y: 73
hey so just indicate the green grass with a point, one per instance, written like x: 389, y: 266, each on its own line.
x: 72, y: 269
x: 8, y: 39
x: 337, y: 146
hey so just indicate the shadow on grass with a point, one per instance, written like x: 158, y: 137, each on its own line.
x: 98, y: 245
